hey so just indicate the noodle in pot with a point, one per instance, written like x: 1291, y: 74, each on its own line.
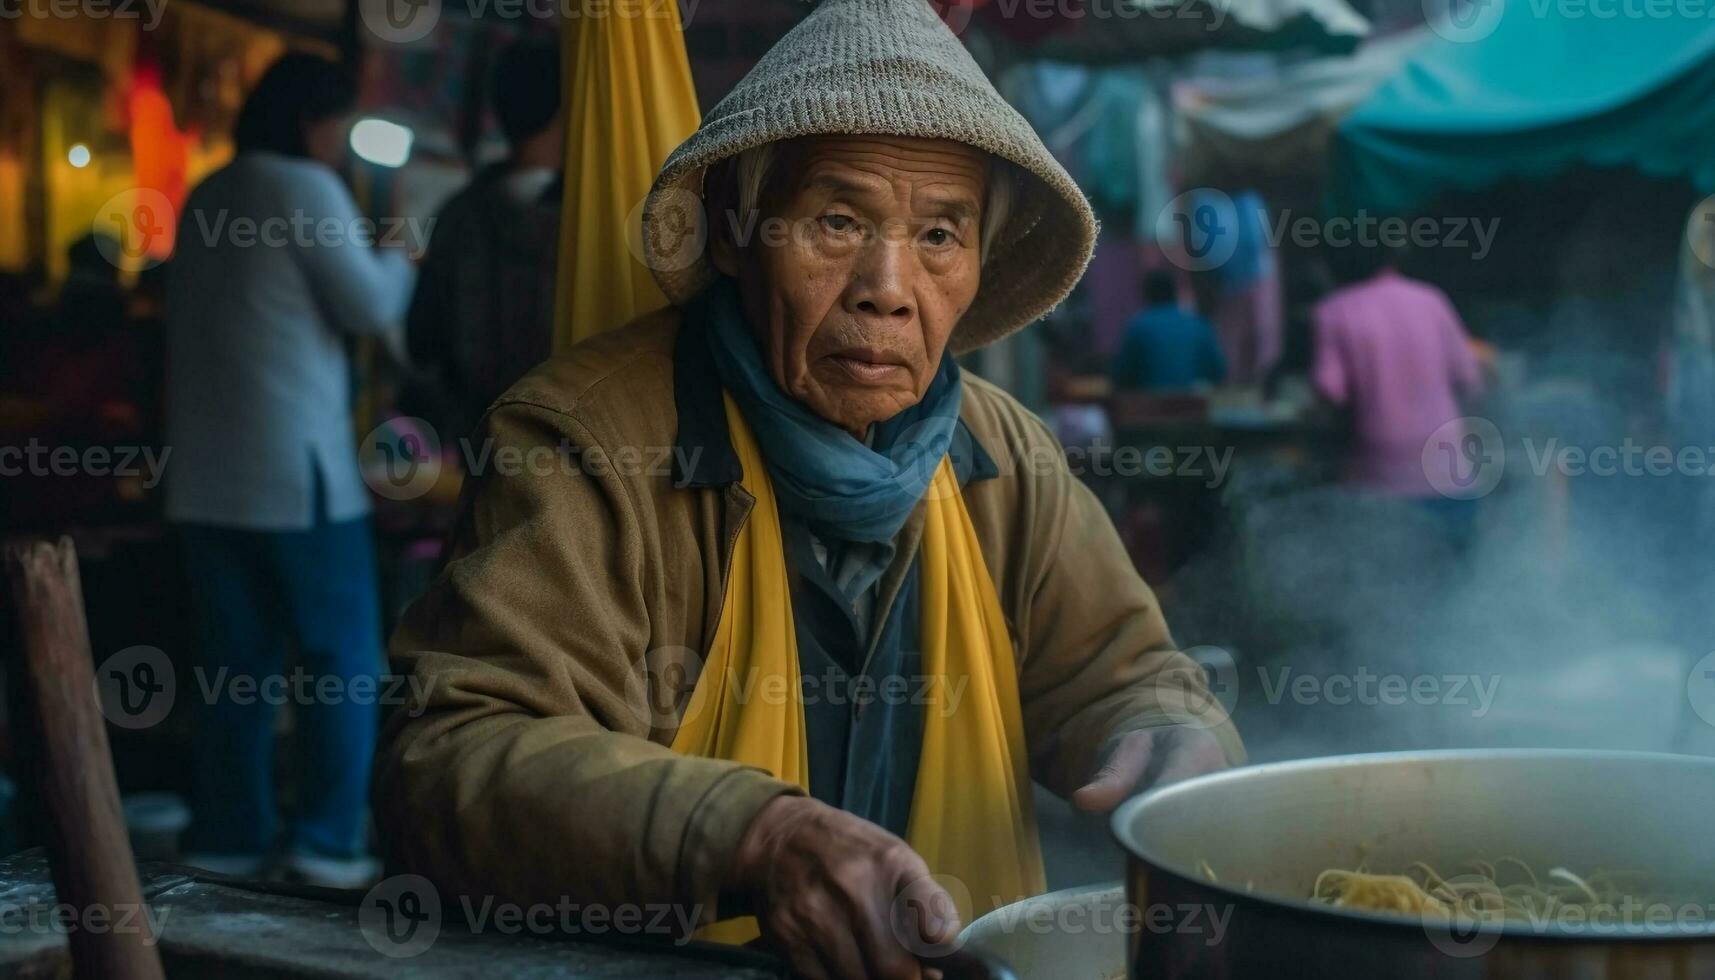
x: 1507, y: 890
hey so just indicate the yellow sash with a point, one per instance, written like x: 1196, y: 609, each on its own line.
x: 972, y: 818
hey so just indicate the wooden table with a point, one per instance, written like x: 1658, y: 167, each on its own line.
x: 218, y: 930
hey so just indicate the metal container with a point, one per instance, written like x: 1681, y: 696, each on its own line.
x: 1267, y: 831
x: 1073, y: 934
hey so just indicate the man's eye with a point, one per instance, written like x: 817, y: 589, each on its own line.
x: 841, y: 223
x: 939, y: 237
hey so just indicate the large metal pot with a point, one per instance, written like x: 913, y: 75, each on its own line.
x: 1268, y: 830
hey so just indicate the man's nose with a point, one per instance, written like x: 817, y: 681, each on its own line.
x: 881, y: 287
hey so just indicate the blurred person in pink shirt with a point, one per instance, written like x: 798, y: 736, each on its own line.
x: 1394, y: 353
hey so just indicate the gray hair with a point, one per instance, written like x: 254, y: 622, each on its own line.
x: 751, y: 169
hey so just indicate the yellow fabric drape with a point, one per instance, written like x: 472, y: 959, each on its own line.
x: 972, y: 818
x: 629, y: 103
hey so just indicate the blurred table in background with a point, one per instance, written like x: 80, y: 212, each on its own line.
x: 1162, y: 461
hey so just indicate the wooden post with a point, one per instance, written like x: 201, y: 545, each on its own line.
x: 94, y: 872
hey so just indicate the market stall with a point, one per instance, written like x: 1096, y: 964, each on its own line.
x: 1522, y: 93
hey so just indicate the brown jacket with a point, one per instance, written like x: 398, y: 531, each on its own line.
x: 535, y: 767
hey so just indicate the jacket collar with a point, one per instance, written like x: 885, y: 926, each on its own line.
x: 704, y: 456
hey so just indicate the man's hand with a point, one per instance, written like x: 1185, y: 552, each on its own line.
x: 835, y: 894
x: 1146, y: 758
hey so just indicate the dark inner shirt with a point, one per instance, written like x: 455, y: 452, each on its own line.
x: 863, y: 721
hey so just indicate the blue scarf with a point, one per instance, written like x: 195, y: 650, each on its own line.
x: 842, y: 489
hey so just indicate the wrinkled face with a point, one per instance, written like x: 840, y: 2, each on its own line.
x: 866, y: 256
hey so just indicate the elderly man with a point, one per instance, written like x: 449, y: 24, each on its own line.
x: 812, y: 607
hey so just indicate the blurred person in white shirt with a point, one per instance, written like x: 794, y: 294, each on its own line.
x: 276, y: 271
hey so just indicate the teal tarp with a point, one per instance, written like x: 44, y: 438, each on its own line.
x: 1529, y: 88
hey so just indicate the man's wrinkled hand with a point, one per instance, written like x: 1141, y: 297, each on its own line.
x: 1147, y: 758
x: 838, y: 896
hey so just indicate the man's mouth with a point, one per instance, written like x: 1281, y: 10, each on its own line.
x: 867, y: 366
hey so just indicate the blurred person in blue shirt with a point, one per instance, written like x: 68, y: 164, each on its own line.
x: 1166, y: 347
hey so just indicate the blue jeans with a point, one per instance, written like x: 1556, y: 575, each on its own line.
x: 255, y: 593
